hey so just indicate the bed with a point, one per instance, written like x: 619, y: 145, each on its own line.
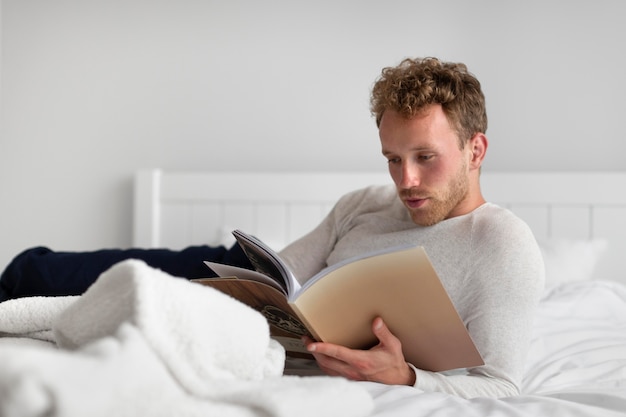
x: 576, y: 365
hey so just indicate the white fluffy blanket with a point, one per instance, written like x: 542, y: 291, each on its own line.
x: 142, y: 343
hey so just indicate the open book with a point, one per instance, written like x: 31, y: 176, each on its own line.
x: 339, y: 304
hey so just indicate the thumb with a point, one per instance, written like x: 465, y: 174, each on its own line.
x: 386, y: 339
x: 381, y: 331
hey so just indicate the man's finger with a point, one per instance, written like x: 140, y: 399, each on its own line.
x: 381, y: 331
x: 328, y: 349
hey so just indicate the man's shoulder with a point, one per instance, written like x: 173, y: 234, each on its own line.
x: 379, y: 199
x: 499, y: 221
x: 494, y: 212
x: 505, y: 241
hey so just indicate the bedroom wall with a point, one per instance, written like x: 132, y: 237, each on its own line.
x: 94, y: 90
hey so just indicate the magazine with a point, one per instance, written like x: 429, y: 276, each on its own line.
x: 339, y: 304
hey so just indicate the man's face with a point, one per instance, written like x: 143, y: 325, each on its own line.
x: 430, y: 171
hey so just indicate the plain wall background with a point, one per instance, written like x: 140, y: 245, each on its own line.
x: 92, y: 90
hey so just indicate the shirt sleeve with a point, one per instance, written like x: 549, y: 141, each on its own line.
x: 504, y: 282
x: 307, y: 255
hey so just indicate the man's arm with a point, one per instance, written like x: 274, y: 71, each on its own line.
x: 385, y: 363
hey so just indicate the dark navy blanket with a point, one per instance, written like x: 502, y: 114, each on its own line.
x: 41, y: 271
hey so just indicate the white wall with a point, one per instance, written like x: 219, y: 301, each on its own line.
x: 94, y: 90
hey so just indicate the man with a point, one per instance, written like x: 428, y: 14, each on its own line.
x: 432, y: 121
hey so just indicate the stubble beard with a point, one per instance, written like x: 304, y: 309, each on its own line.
x: 441, y: 203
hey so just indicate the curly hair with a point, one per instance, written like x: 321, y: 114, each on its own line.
x: 417, y: 83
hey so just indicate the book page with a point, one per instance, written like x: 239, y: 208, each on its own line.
x: 223, y: 271
x: 266, y: 261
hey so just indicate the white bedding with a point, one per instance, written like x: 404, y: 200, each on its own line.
x: 142, y: 343
x: 161, y: 360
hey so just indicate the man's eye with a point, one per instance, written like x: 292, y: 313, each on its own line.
x: 426, y: 157
x: 393, y: 161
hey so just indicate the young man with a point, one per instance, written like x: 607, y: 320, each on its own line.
x: 432, y: 121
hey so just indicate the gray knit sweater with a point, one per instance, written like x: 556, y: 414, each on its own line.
x: 488, y: 261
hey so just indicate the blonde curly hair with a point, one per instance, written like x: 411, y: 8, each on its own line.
x: 417, y: 83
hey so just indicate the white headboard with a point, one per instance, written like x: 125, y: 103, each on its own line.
x: 179, y: 209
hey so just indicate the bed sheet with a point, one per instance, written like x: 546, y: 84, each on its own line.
x: 576, y: 364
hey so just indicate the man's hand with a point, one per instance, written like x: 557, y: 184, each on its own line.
x: 383, y: 363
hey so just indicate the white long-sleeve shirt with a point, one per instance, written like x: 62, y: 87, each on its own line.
x: 488, y: 261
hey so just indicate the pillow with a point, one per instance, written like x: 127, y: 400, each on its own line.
x: 570, y: 260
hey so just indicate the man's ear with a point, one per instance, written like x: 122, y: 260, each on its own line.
x: 478, y: 149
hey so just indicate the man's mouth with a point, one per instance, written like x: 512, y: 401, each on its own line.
x: 414, y: 203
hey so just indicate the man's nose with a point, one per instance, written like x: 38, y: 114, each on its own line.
x: 410, y: 176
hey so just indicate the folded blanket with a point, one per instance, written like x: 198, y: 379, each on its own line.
x: 140, y: 342
x: 32, y: 317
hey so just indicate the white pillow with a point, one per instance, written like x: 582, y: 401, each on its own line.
x: 570, y: 260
